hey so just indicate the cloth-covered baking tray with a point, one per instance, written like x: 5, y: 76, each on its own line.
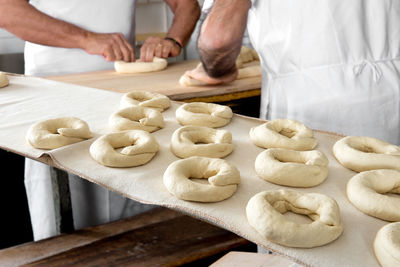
x: 28, y: 100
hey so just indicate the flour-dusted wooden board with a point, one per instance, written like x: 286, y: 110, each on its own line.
x: 164, y: 82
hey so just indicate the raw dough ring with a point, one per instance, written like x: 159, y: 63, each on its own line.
x: 291, y: 167
x: 265, y: 214
x: 366, y: 153
x: 204, y: 114
x: 139, y: 147
x: 145, y: 99
x: 3, y: 80
x: 387, y: 245
x: 223, y: 179
x: 201, y: 141
x: 366, y: 191
x: 140, y: 67
x: 58, y: 132
x: 136, y: 118
x: 283, y: 133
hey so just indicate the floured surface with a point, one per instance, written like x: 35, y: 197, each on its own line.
x: 28, y: 100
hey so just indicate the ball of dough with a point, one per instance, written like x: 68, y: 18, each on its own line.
x: 124, y: 149
x: 387, y: 245
x: 3, y: 80
x: 291, y: 167
x: 136, y: 118
x: 223, y: 179
x: 360, y: 153
x: 367, y: 192
x: 265, y: 214
x: 204, y: 114
x: 201, y: 141
x: 58, y: 132
x: 283, y: 133
x: 145, y: 99
x: 139, y: 67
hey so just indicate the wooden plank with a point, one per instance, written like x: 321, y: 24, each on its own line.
x: 169, y: 243
x: 165, y: 82
x: 33, y: 251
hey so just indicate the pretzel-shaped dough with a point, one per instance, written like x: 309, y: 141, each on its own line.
x: 291, y: 167
x: 140, y: 67
x: 223, y: 179
x: 361, y: 153
x: 58, y: 132
x: 136, y: 118
x: 3, y: 80
x: 283, y: 133
x: 145, y: 99
x: 201, y: 141
x: 387, y: 245
x: 366, y: 191
x: 139, y: 147
x: 265, y: 214
x: 204, y: 114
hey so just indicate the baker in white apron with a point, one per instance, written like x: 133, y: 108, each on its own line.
x: 91, y: 204
x: 333, y: 65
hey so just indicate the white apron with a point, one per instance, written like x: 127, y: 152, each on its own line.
x: 91, y: 204
x: 333, y: 65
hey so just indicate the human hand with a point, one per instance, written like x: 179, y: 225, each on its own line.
x: 158, y: 47
x: 112, y: 46
x: 201, y: 75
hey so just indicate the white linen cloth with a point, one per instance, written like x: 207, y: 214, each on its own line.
x: 91, y: 204
x: 333, y: 65
x: 28, y: 100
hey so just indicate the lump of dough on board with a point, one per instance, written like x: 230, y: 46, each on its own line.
x: 361, y: 153
x: 124, y: 149
x: 3, y: 80
x: 146, y: 99
x: 387, y: 245
x: 265, y: 214
x: 283, y: 133
x: 140, y: 67
x: 369, y: 192
x: 201, y: 141
x: 58, y: 132
x: 223, y: 179
x: 291, y: 167
x: 136, y: 118
x: 204, y: 114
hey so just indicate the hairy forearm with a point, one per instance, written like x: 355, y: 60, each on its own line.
x: 186, y: 14
x: 23, y: 20
x: 221, y: 36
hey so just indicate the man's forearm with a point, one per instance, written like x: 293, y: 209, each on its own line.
x: 221, y: 36
x: 26, y: 22
x: 186, y: 14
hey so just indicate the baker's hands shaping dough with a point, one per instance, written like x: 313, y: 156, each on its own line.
x: 58, y: 132
x: 159, y: 47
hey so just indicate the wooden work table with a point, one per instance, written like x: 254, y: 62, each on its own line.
x: 165, y: 82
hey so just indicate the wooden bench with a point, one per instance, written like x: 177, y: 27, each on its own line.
x: 160, y: 237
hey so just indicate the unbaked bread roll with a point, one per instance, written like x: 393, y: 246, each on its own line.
x: 387, y: 245
x: 223, y: 179
x: 124, y: 149
x: 136, y: 118
x: 140, y: 67
x: 265, y: 214
x: 368, y: 192
x: 283, y: 133
x: 361, y: 153
x: 3, y: 80
x: 204, y: 114
x: 189, y: 141
x: 291, y: 167
x: 145, y: 99
x: 58, y: 132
